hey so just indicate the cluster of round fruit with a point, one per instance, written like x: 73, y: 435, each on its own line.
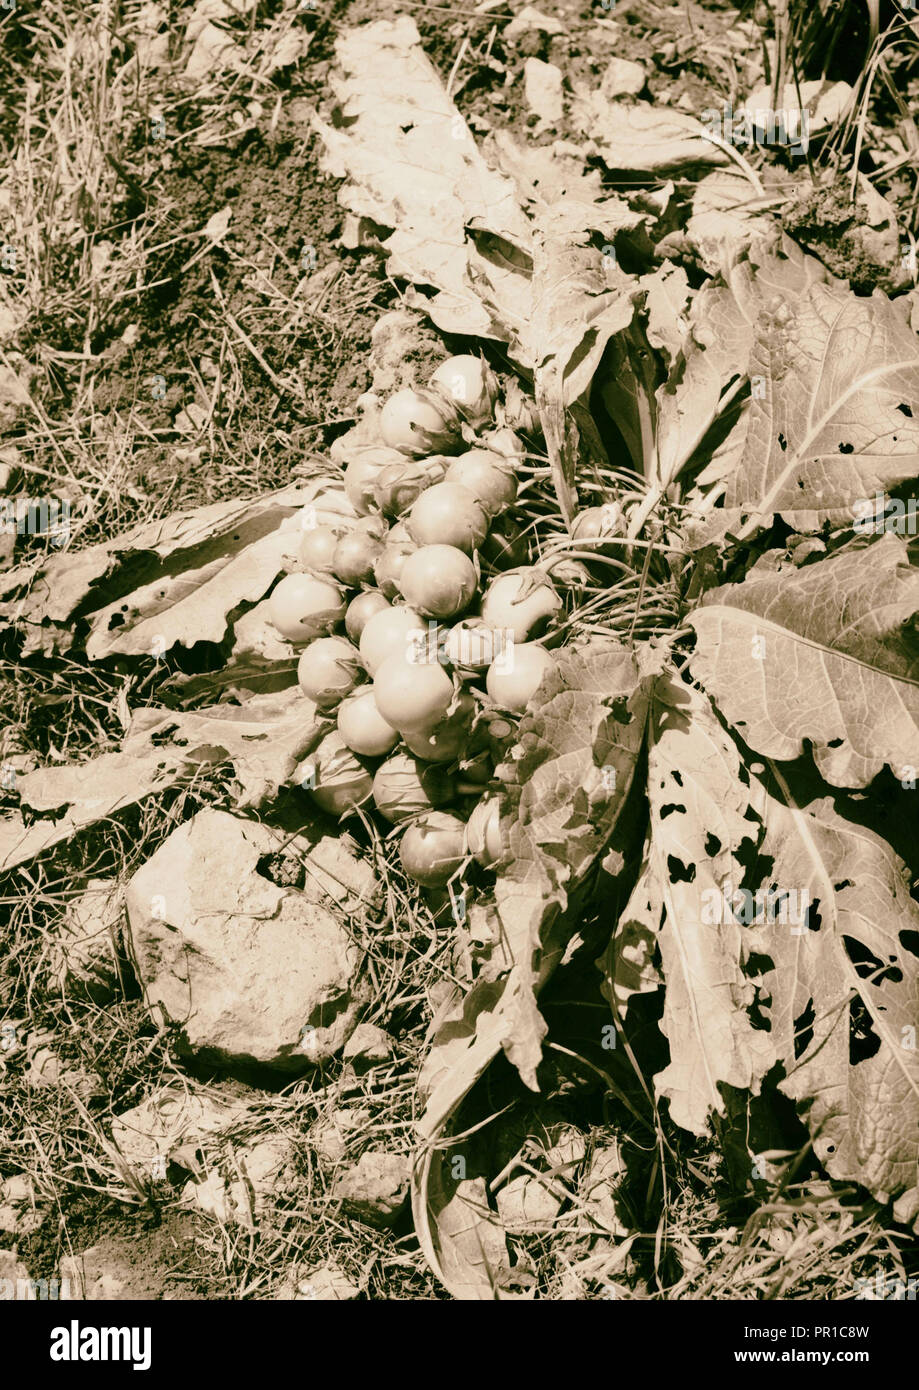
x: 407, y: 677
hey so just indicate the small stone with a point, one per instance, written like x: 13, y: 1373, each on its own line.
x: 623, y: 78
x: 84, y: 956
x: 543, y: 91
x: 368, y: 1044
x: 530, y: 20
x: 329, y: 1138
x: 375, y: 1189
x: 15, y: 1276
x: 172, y: 1119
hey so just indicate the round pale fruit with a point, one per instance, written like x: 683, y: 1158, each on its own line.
x: 360, y: 475
x: 597, y: 523
x: 449, y: 739
x: 416, y: 422
x: 438, y: 580
x: 317, y: 546
x: 472, y: 646
x: 484, y: 840
x: 334, y: 778
x: 302, y: 606
x: 391, y: 632
x: 520, y: 601
x: 354, y: 558
x: 513, y: 680
x: 487, y: 476
x: 361, y: 610
x: 449, y: 514
x: 390, y: 563
x: 329, y: 670
x: 433, y: 848
x: 412, y: 695
x: 470, y: 384
x: 398, y: 485
x: 404, y: 787
x: 363, y: 727
x: 505, y: 545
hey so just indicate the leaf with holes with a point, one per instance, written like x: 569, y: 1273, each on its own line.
x: 786, y: 934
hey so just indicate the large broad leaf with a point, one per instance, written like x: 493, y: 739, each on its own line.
x: 565, y: 786
x: 575, y: 313
x: 837, y: 418
x: 699, y: 827
x: 264, y: 738
x: 81, y: 795
x: 168, y: 581
x: 412, y: 165
x: 845, y: 996
x: 787, y: 935
x: 512, y: 258
x: 639, y: 136
x: 709, y: 347
x: 825, y: 653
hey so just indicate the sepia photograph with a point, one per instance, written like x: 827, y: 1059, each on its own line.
x: 459, y: 669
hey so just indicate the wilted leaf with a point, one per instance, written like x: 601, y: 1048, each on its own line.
x: 724, y: 219
x: 803, y: 110
x: 786, y: 934
x: 641, y: 137
x: 823, y: 653
x: 413, y: 166
x: 845, y: 997
x: 564, y: 789
x: 196, y: 567
x: 264, y: 738
x: 698, y: 828
x: 85, y: 793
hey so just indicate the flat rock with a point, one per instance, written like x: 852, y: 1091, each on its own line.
x: 527, y: 1203
x: 325, y: 1284
x: 250, y: 971
x: 367, y: 1045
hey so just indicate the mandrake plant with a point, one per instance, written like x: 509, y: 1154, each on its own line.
x: 719, y: 477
